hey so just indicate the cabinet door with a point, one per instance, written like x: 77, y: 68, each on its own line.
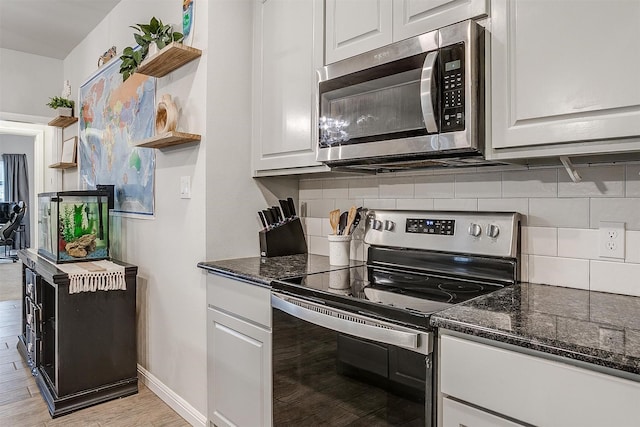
x: 239, y: 372
x: 287, y: 52
x: 356, y: 26
x: 564, y: 72
x: 456, y: 414
x: 413, y: 17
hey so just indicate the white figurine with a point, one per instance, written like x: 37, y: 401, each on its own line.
x: 66, y: 89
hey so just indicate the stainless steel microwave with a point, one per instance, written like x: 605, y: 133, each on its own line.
x: 418, y: 102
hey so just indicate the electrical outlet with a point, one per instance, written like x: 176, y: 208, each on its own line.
x: 612, y: 239
x: 185, y: 187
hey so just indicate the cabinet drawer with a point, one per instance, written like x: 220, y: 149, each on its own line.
x: 32, y: 285
x: 456, y: 414
x: 34, y: 347
x: 244, y: 300
x: 518, y: 385
x: 33, y: 316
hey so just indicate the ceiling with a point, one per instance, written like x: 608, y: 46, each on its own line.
x: 49, y: 27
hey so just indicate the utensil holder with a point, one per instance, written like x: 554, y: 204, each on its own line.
x: 339, y: 249
x: 286, y: 238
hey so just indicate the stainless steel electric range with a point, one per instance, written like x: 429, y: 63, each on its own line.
x: 354, y: 346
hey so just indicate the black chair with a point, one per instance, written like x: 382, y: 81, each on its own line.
x: 8, y: 230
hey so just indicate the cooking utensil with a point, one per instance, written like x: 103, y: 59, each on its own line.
x: 268, y: 216
x: 356, y: 220
x: 343, y: 222
x: 276, y: 213
x: 350, y: 218
x: 334, y: 220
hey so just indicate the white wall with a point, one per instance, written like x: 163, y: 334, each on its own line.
x: 166, y: 249
x: 560, y: 233
x: 27, y: 82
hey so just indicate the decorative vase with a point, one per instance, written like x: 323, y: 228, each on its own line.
x: 166, y: 115
x: 64, y: 111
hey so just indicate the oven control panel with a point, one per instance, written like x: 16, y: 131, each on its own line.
x: 444, y: 227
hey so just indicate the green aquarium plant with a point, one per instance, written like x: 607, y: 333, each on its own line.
x: 154, y: 32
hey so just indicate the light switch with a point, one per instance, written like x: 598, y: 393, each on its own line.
x: 185, y: 187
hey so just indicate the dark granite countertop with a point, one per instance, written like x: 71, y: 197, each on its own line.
x: 263, y: 270
x: 593, y: 327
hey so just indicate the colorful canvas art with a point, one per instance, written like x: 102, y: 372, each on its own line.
x: 113, y: 115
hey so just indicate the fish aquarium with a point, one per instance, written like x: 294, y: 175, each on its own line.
x: 73, y: 226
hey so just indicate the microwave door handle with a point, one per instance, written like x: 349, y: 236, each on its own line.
x: 427, y: 92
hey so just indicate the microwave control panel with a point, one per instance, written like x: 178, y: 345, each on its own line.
x: 431, y: 226
x: 452, y: 98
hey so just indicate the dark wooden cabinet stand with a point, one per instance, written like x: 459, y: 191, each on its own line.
x: 81, y: 347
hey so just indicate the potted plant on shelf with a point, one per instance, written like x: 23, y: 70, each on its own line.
x: 63, y: 106
x: 151, y: 36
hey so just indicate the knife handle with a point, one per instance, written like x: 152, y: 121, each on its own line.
x: 263, y: 220
x: 292, y: 206
x: 269, y: 217
x: 284, y: 205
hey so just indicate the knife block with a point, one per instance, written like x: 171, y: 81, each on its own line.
x: 283, y: 239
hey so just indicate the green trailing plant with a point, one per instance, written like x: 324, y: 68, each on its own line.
x: 153, y: 32
x: 58, y: 101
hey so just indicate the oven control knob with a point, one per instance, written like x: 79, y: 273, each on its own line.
x: 493, y: 230
x: 389, y: 225
x: 474, y: 229
x: 376, y: 224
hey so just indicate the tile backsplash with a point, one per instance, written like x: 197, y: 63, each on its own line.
x: 560, y: 236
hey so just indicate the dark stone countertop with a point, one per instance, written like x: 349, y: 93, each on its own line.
x: 263, y: 270
x: 593, y: 327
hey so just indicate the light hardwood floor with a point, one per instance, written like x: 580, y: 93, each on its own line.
x: 22, y: 405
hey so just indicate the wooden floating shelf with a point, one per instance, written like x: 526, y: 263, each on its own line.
x: 169, y: 58
x: 63, y: 121
x: 61, y: 165
x: 168, y: 139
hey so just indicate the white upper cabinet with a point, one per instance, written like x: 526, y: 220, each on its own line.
x: 413, y: 17
x: 357, y: 26
x: 562, y: 72
x: 288, y: 48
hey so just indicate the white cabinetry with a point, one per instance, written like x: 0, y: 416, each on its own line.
x: 530, y: 389
x: 357, y: 26
x: 238, y: 353
x: 564, y: 72
x: 287, y: 50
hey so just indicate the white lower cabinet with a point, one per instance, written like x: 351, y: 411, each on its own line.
x: 239, y: 353
x: 482, y: 385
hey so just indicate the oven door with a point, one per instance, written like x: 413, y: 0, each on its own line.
x: 332, y: 367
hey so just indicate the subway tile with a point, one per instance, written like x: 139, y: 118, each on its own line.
x: 597, y: 181
x: 326, y: 227
x: 578, y: 243
x: 567, y: 272
x: 434, y: 186
x: 615, y: 277
x: 457, y: 171
x: 505, y: 205
x: 618, y: 210
x: 632, y: 181
x: 414, y: 204
x: 310, y: 189
x: 480, y: 185
x: 540, y: 241
x: 363, y: 188
x: 566, y: 213
x: 345, y: 204
x: 335, y: 189
x: 318, y: 208
x: 531, y: 183
x: 396, y: 188
x: 524, y: 268
x: 313, y: 226
x: 632, y: 241
x: 380, y: 203
x: 318, y: 245
x: 455, y: 204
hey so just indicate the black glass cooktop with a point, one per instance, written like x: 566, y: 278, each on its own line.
x: 395, y: 295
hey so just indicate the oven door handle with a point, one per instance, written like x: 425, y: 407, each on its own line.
x: 428, y: 91
x: 353, y: 324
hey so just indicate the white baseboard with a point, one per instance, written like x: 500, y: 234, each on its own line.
x: 175, y: 402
